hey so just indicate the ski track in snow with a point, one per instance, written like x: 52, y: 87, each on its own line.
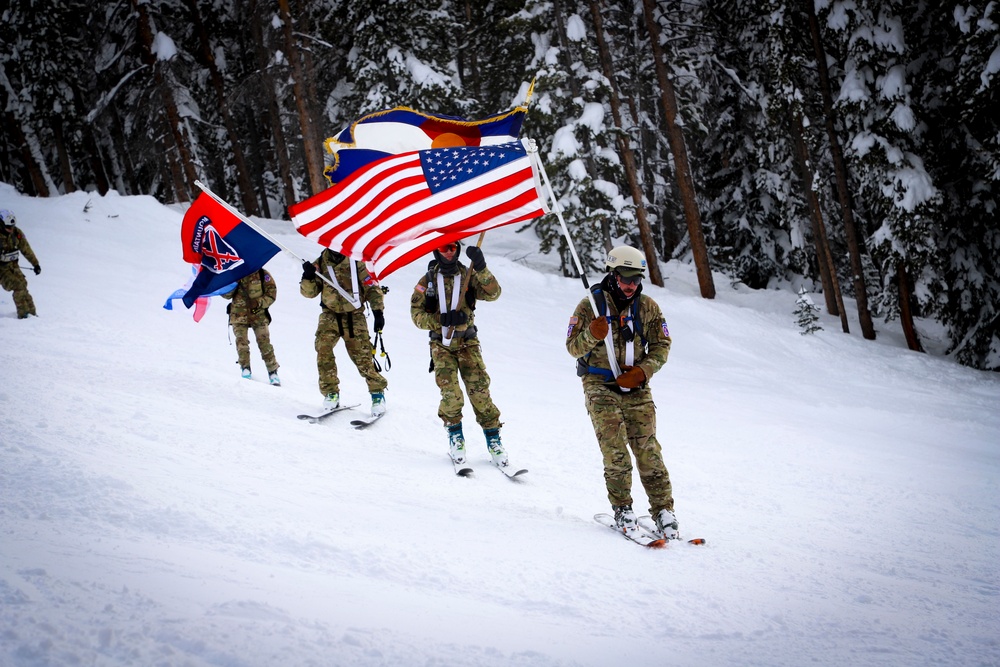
x: 157, y: 509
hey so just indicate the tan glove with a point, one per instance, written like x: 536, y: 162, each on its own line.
x: 599, y: 327
x: 631, y: 378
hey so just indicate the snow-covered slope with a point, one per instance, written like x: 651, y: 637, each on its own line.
x: 157, y: 509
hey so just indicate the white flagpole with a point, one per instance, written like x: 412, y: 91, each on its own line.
x: 257, y: 229
x: 609, y: 340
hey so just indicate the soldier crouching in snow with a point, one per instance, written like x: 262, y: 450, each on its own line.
x: 12, y: 242
x: 251, y: 297
x: 621, y: 408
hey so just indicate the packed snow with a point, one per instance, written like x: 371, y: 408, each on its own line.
x: 158, y: 509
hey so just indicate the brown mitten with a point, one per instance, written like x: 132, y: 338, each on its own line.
x: 631, y: 378
x: 599, y: 327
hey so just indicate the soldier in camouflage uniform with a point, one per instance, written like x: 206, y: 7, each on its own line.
x: 251, y: 297
x: 12, y: 242
x: 621, y: 408
x: 342, y: 316
x: 440, y: 306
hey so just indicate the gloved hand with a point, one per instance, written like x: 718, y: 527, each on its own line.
x: 599, y: 327
x: 475, y: 253
x: 379, y: 320
x: 453, y: 318
x: 38, y: 269
x: 308, y: 270
x: 430, y: 303
x: 631, y: 378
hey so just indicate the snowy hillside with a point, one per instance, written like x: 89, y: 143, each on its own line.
x: 157, y: 509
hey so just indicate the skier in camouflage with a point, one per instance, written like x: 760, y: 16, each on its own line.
x: 12, y: 243
x: 251, y: 298
x: 440, y: 305
x: 342, y: 316
x: 621, y: 408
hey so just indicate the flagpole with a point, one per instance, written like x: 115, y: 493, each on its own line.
x: 222, y: 202
x: 609, y: 340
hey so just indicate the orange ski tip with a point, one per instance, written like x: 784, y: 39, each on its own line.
x: 697, y: 540
x: 657, y: 544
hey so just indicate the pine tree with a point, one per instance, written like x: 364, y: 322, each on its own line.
x: 806, y: 313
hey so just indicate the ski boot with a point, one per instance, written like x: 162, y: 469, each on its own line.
x: 666, y: 525
x: 456, y: 443
x: 378, y: 404
x: 625, y: 518
x: 493, y: 444
x: 331, y: 401
x: 246, y: 373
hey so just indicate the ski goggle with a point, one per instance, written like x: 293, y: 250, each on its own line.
x: 631, y: 280
x: 451, y: 247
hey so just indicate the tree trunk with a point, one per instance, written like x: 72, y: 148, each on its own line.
x: 145, y: 36
x: 313, y: 155
x: 682, y: 168
x: 242, y: 173
x: 273, y: 111
x: 574, y: 87
x: 256, y: 159
x: 467, y: 52
x: 828, y: 269
x: 840, y: 169
x: 65, y: 164
x: 905, y: 312
x: 628, y: 159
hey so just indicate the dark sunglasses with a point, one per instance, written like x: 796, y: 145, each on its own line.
x: 451, y: 247
x: 634, y: 280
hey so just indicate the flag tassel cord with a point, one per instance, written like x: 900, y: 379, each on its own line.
x: 557, y: 209
x: 222, y: 202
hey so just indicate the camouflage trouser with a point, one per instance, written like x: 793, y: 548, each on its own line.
x: 465, y: 359
x: 359, y: 349
x: 622, y: 421
x: 263, y: 336
x: 12, y: 280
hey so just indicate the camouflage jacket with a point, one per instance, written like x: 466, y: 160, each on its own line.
x: 332, y: 299
x: 651, y: 344
x: 425, y: 309
x: 251, y: 297
x: 13, y: 243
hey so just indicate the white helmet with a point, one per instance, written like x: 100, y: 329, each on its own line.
x: 627, y: 260
x: 7, y: 217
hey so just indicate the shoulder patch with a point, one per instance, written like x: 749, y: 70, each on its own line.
x: 420, y: 288
x: 666, y: 331
x: 573, y: 321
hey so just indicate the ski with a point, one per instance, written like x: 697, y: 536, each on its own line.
x: 637, y: 536
x: 461, y: 469
x: 510, y: 470
x: 315, y: 419
x: 365, y: 422
x: 647, y: 525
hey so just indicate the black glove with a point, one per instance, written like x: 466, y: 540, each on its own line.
x: 476, y: 255
x: 453, y: 318
x: 379, y: 320
x: 38, y: 269
x: 308, y: 270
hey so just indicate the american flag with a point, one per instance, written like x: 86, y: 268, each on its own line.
x: 395, y: 210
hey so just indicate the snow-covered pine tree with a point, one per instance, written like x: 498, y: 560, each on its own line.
x: 806, y: 313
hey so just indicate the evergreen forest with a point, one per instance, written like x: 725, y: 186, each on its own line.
x: 849, y: 148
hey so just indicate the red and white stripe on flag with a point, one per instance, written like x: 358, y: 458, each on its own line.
x: 397, y: 209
